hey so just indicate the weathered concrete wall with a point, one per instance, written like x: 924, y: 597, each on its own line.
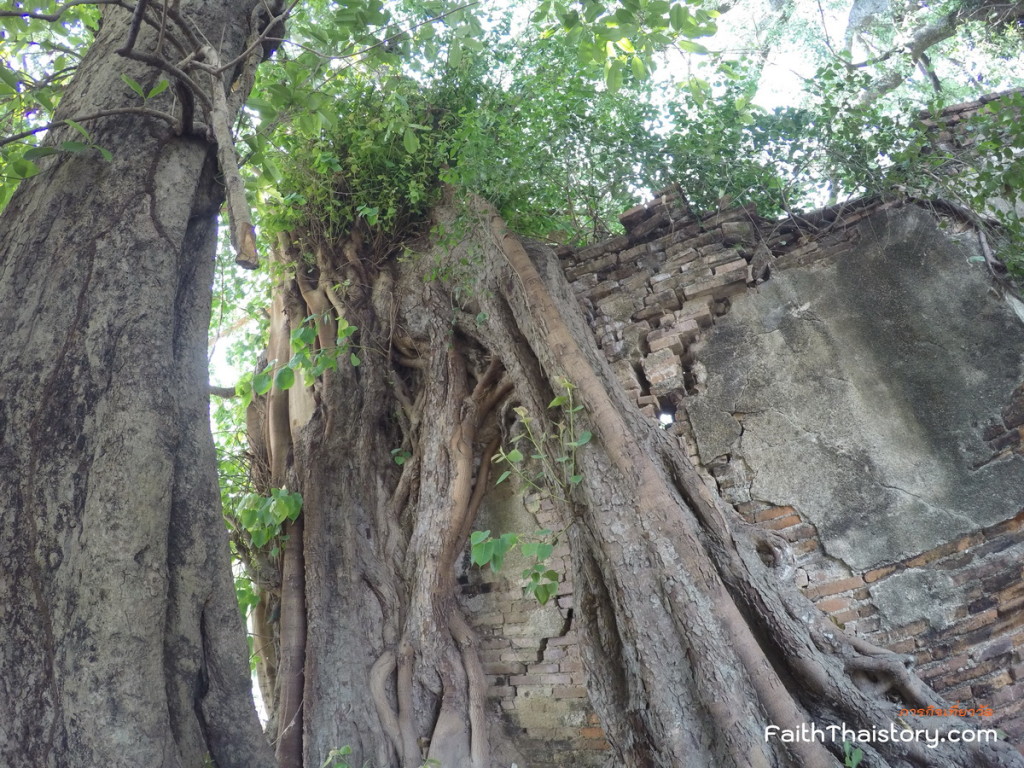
x: 858, y: 390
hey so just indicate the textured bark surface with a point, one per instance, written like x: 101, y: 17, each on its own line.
x: 692, y: 639
x: 122, y: 642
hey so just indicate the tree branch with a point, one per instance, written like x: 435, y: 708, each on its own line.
x: 226, y: 392
x: 921, y: 39
x: 133, y: 31
x: 55, y: 16
x: 243, y: 234
x: 94, y: 116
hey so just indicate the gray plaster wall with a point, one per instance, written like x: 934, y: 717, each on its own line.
x: 857, y: 389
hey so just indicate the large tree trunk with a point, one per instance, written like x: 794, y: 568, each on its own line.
x: 122, y: 644
x: 692, y: 637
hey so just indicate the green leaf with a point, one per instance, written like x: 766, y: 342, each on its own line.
x: 560, y: 400
x: 23, y: 169
x: 410, y: 141
x: 503, y: 477
x: 477, y: 536
x: 514, y: 456
x: 133, y: 85
x: 639, y: 68
x: 613, y: 75
x: 73, y: 146
x: 159, y: 88
x: 37, y: 152
x: 271, y: 169
x: 247, y: 517
x: 285, y: 378
x: 78, y: 127
x: 10, y: 78
x: 544, y: 592
x: 583, y: 439
x: 106, y: 153
x: 303, y: 336
x: 286, y: 506
x: 245, y: 393
x: 260, y: 536
x: 691, y: 47
x: 354, y: 359
x: 482, y: 553
x: 678, y: 16
x: 261, y: 383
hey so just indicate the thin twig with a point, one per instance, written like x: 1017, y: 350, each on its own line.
x: 243, y: 235
x: 260, y: 39
x: 95, y: 116
x: 55, y: 16
x: 173, y: 69
x: 133, y: 31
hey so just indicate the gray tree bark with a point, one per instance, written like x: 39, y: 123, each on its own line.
x: 122, y: 644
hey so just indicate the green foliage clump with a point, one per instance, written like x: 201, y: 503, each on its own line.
x: 541, y: 581
x: 553, y: 457
x: 308, y: 361
x: 522, y: 123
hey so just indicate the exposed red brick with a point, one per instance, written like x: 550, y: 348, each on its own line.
x: 974, y: 622
x: 834, y: 604
x: 777, y: 524
x: 986, y: 688
x: 967, y: 672
x: 835, y: 587
x: 773, y: 512
x: 878, y: 573
x: 844, y: 618
x: 931, y: 555
x: 1009, y: 526
x: 633, y: 216
x: 806, y: 546
x: 797, y: 532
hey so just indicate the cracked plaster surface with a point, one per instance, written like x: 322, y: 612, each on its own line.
x: 861, y: 384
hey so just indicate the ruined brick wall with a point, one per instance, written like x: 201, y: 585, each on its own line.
x: 652, y: 296
x: 540, y: 714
